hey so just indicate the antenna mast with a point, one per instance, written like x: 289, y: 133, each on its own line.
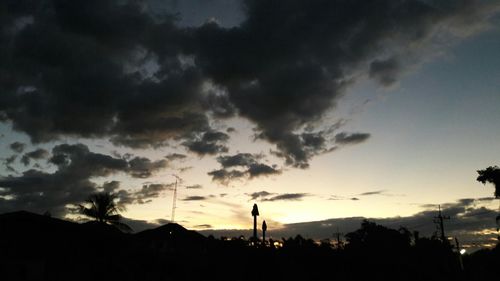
x: 174, y: 199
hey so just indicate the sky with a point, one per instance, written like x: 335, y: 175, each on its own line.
x: 321, y: 112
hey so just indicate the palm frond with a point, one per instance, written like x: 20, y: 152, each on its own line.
x: 102, y: 208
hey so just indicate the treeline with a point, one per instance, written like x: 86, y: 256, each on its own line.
x: 35, y: 247
x: 373, y: 252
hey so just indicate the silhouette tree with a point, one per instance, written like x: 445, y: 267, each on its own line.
x: 378, y: 238
x: 103, y: 209
x: 490, y: 175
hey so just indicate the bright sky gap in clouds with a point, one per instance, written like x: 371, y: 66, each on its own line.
x: 317, y: 110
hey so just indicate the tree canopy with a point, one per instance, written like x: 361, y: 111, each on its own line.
x: 490, y: 175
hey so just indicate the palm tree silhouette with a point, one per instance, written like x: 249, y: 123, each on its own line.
x: 103, y: 209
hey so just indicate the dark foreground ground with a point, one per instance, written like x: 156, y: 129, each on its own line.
x: 34, y: 247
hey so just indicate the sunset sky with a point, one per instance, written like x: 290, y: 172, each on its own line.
x: 321, y: 112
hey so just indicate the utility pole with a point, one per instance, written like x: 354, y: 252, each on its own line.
x: 439, y: 221
x: 174, y: 199
x: 459, y: 251
x: 339, y: 241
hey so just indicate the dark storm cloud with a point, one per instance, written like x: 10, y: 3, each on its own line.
x: 143, y: 195
x: 71, y: 182
x: 8, y: 163
x: 365, y: 194
x: 211, y: 142
x: 225, y: 177
x: 354, y: 138
x: 161, y: 221
x: 268, y: 196
x: 259, y: 169
x: 292, y: 70
x: 17, y: 146
x: 38, y: 191
x: 340, y: 198
x: 79, y: 161
x: 101, y: 69
x: 247, y: 166
x: 240, y: 159
x: 376, y: 192
x: 175, y: 156
x: 259, y: 195
x: 203, y: 226
x: 120, y: 70
x: 184, y: 169
x: 197, y: 12
x: 9, y: 160
x: 152, y: 190
x: 385, y: 71
x: 287, y: 197
x: 486, y: 199
x: 219, y: 105
x: 195, y: 198
x: 110, y: 187
x: 141, y: 167
x: 36, y: 154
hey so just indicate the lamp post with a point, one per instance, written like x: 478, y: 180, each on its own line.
x: 255, y: 213
x: 264, y: 229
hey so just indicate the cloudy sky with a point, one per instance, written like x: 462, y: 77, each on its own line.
x: 322, y: 112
